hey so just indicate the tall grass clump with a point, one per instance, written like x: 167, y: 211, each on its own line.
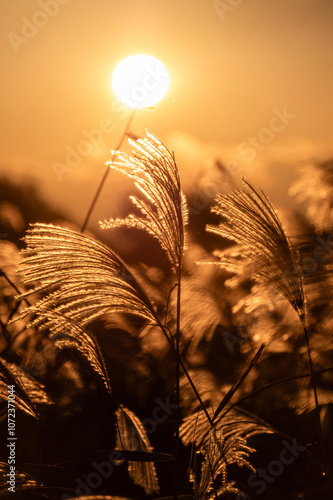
x: 266, y: 254
x: 82, y: 300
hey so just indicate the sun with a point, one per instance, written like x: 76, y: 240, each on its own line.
x: 140, y: 81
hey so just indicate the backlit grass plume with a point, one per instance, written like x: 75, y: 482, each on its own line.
x: 132, y: 436
x: 85, y: 279
x: 218, y: 454
x: 234, y: 422
x: 164, y: 214
x: 266, y: 253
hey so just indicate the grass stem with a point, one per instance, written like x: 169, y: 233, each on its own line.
x: 317, y: 413
x: 177, y: 387
x: 106, y: 173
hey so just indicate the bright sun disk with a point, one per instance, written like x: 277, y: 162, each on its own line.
x: 140, y: 81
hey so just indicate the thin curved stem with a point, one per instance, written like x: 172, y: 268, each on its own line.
x: 239, y: 382
x: 272, y: 384
x: 202, y: 405
x: 106, y: 173
x: 4, y: 275
x: 177, y: 386
x: 317, y: 412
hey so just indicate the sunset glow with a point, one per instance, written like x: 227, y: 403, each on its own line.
x: 166, y: 251
x: 140, y: 81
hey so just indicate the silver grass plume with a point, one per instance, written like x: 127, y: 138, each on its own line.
x: 265, y: 253
x: 234, y: 422
x: 218, y: 454
x: 164, y: 213
x: 134, y: 438
x: 85, y: 279
x: 223, y: 445
x: 251, y: 221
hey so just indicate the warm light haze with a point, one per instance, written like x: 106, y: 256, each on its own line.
x: 233, y: 69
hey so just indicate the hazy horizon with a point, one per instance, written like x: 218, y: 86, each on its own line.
x: 233, y: 67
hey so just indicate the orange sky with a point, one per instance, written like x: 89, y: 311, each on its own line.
x: 234, y: 65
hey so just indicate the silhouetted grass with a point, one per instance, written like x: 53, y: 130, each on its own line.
x: 195, y: 378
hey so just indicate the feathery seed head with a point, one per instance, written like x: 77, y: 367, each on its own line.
x: 266, y: 254
x: 154, y: 171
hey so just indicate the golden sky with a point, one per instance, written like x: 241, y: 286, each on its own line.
x: 250, y: 81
